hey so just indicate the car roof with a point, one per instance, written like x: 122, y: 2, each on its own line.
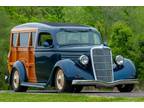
x: 63, y: 24
x: 48, y: 25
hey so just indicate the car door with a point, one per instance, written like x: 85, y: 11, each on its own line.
x: 44, y: 56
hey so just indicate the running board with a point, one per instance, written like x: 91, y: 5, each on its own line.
x: 37, y: 85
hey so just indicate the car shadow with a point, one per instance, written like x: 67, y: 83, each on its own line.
x: 82, y: 92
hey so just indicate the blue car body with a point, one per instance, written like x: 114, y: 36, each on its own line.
x: 47, y: 60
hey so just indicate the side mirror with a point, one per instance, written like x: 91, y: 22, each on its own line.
x: 105, y: 44
x: 46, y: 44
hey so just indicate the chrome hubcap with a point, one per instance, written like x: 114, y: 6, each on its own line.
x: 60, y: 79
x: 16, y: 79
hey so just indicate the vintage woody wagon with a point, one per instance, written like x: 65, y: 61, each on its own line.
x: 65, y: 56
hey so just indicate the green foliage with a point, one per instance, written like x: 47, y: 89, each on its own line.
x: 137, y: 53
x: 122, y: 26
x: 4, y: 43
x: 119, y: 41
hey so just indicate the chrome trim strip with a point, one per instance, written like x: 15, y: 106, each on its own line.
x: 104, y: 84
x: 91, y: 54
x: 112, y: 66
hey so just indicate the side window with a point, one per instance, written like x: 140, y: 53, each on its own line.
x: 24, y: 39
x: 45, y: 39
x: 14, y: 39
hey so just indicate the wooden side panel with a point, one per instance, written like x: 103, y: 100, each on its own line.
x: 26, y: 56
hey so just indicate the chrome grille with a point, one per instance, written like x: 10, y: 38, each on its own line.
x: 102, y: 64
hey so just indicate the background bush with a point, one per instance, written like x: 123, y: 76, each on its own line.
x: 122, y: 27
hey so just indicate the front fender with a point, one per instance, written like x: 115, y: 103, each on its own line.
x: 127, y: 72
x: 71, y: 70
x: 21, y: 69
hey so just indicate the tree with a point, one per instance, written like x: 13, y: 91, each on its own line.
x: 4, y: 43
x: 119, y: 40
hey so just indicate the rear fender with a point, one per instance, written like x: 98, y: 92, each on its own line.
x: 21, y: 69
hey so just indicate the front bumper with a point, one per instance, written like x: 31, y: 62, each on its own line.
x: 104, y: 84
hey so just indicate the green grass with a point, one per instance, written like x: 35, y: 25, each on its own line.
x: 62, y: 97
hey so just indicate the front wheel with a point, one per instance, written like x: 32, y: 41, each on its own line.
x: 15, y: 82
x: 61, y: 84
x: 125, y: 88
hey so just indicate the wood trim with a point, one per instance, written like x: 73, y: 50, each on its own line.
x: 18, y: 40
x: 11, y: 38
x: 23, y: 54
x: 24, y: 30
x: 30, y: 39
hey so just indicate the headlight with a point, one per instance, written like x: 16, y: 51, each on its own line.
x: 119, y: 60
x: 84, y: 59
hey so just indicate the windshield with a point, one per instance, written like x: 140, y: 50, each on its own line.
x: 78, y: 38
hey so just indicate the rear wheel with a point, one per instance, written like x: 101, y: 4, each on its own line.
x: 15, y: 82
x: 61, y: 84
x: 125, y: 88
